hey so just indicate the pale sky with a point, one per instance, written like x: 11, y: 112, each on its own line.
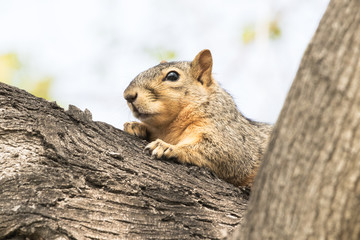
x: 94, y: 48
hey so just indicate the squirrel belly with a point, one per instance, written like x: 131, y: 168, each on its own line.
x: 187, y: 116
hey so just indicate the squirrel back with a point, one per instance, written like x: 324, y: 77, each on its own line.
x: 187, y: 116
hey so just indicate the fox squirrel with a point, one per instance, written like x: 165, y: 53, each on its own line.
x: 187, y: 116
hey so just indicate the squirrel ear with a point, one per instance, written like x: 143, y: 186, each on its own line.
x: 201, y: 67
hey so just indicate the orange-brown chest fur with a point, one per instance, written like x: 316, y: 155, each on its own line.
x: 186, y: 128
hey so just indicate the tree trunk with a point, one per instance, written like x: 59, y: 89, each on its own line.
x: 309, y: 184
x: 63, y: 176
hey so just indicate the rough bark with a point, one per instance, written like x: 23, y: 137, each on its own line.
x: 63, y: 176
x: 309, y: 184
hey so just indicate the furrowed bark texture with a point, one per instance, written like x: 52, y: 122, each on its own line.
x: 64, y: 176
x: 309, y: 184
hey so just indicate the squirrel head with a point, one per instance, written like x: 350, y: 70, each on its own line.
x: 157, y: 95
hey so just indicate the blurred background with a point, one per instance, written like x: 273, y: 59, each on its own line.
x: 86, y: 52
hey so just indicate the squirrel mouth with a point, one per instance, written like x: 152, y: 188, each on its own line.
x: 141, y: 115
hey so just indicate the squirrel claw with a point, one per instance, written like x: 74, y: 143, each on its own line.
x: 136, y: 129
x: 147, y: 150
x: 159, y: 150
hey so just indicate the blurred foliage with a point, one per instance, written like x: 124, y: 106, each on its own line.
x: 9, y: 64
x: 274, y: 29
x: 13, y: 72
x: 41, y: 88
x: 160, y: 53
x: 249, y: 32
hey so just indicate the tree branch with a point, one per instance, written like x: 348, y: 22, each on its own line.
x: 63, y: 176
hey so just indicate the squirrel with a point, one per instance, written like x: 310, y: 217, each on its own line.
x: 187, y: 116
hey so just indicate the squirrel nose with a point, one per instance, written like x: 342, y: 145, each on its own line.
x: 131, y: 97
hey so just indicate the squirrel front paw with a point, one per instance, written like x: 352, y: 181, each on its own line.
x: 160, y: 150
x: 136, y: 129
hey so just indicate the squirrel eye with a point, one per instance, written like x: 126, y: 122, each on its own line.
x: 172, y: 76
